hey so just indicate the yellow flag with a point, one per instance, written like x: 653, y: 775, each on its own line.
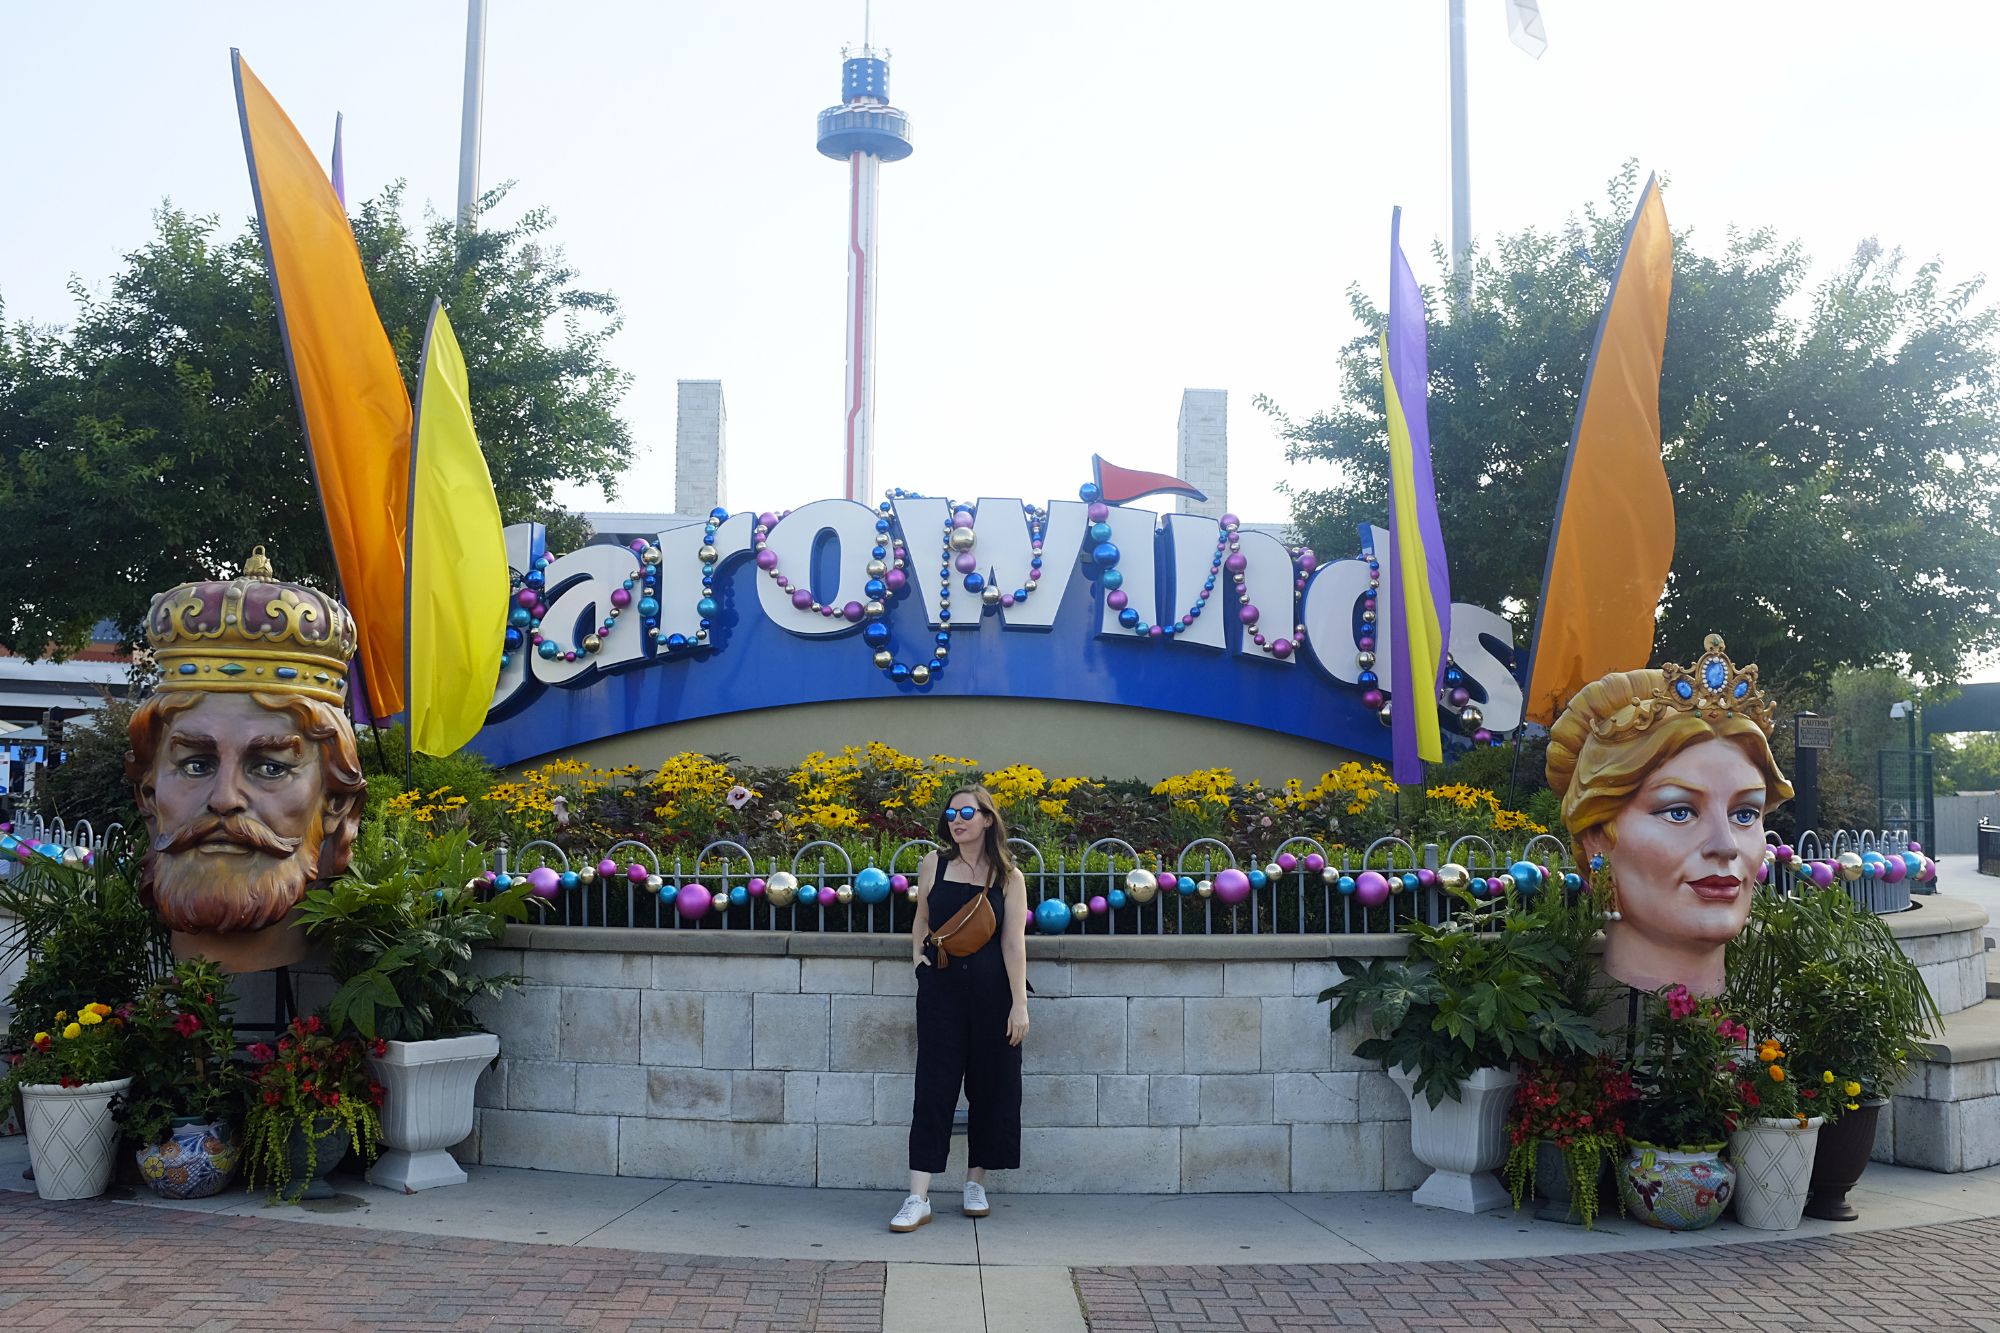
x: 458, y: 561
x: 350, y: 390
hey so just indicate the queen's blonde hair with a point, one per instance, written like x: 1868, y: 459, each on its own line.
x: 1621, y: 727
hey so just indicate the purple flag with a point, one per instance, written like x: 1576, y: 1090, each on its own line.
x: 339, y: 168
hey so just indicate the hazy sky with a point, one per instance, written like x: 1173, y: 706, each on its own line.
x: 1107, y: 203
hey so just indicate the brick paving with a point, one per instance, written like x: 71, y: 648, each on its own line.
x: 1917, y: 1280
x: 97, y: 1265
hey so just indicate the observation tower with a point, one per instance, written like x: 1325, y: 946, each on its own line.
x: 864, y: 131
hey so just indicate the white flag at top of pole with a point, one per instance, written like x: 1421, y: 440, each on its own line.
x: 1524, y: 26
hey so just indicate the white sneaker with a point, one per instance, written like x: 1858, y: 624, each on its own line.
x: 913, y: 1214
x: 975, y: 1200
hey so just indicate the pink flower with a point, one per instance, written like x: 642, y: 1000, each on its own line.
x: 739, y: 796
x: 1680, y: 1004
x: 187, y: 1025
x: 261, y: 1053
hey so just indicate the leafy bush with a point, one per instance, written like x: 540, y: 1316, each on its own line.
x: 83, y: 932
x: 313, y: 1082
x: 181, y: 1048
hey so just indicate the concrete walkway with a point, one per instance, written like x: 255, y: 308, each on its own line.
x: 1013, y: 1270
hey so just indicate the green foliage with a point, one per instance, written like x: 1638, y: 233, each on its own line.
x: 156, y: 438
x: 1501, y: 982
x: 401, y: 925
x: 1968, y: 762
x: 90, y: 782
x: 1826, y: 977
x: 1685, y: 1071
x: 426, y: 784
x: 1578, y: 1107
x: 181, y: 1046
x: 83, y: 933
x: 314, y: 1084
x: 1830, y: 450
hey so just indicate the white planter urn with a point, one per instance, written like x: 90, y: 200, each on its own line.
x: 426, y: 1108
x: 1773, y: 1158
x: 1463, y: 1142
x: 71, y: 1136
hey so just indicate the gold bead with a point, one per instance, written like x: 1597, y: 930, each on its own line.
x: 1454, y: 876
x: 921, y: 673
x: 707, y: 555
x: 591, y: 643
x: 884, y: 660
x: 876, y: 569
x: 1205, y: 889
x: 651, y: 555
x: 962, y: 539
x: 872, y: 610
x: 1850, y: 865
x: 844, y: 894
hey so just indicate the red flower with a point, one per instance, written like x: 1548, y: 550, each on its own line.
x: 270, y: 1097
x: 187, y: 1025
x: 313, y: 1023
x: 261, y: 1053
x: 68, y: 1082
x: 379, y: 1048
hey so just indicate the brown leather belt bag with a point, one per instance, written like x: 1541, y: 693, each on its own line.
x: 966, y: 933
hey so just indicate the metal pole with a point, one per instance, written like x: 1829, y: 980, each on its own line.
x: 1461, y: 189
x: 475, y: 103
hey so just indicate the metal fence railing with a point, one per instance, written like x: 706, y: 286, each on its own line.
x: 1303, y: 888
x: 1989, y: 848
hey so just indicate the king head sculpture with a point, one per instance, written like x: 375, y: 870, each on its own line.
x: 245, y: 767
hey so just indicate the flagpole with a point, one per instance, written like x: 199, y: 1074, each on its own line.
x: 475, y: 102
x: 1461, y: 177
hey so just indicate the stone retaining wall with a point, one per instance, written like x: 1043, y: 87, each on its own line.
x: 1155, y: 1065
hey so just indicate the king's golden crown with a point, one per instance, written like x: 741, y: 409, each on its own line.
x: 1715, y: 687
x: 252, y: 632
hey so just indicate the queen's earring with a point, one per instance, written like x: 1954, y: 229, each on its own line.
x: 1604, y: 888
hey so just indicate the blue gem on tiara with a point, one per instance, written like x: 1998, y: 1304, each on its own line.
x: 1714, y: 674
x: 1683, y: 689
x: 1742, y: 688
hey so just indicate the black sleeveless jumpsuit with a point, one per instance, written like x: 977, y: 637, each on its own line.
x: 962, y: 1039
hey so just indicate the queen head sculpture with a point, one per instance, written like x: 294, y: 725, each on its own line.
x: 244, y: 765
x: 1665, y: 778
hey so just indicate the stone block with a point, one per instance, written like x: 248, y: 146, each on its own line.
x: 894, y: 976
x: 672, y: 1091
x: 1235, y: 1099
x: 840, y: 1099
x: 1223, y: 1036
x: 756, y: 1095
x: 1154, y: 1036
x: 743, y: 1152
x: 1049, y: 978
x: 1344, y: 1042
x: 877, y: 1157
x: 1295, y: 1034
x: 491, y: 1089
x: 695, y: 972
x: 497, y: 963
x: 1058, y: 1099
x: 1257, y: 978
x: 837, y: 976
x: 790, y: 1031
x: 1174, y: 1099
x: 1145, y: 978
x: 725, y: 1030
x: 526, y: 1020
x: 550, y: 1141
x: 1097, y: 1161
x: 670, y: 1027
x: 873, y: 1033
x: 600, y: 1026
x: 1379, y: 1098
x: 1401, y: 1169
x: 555, y: 967
x: 1232, y: 1159
x: 1315, y: 1098
x: 541, y: 1085
x: 1311, y: 977
x: 895, y: 1096
x: 1122, y: 1099
x: 1337, y: 1158
x: 1884, y: 1147
x: 1075, y: 1036
x: 1979, y: 1132
x: 611, y: 1089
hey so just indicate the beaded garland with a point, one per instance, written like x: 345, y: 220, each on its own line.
x: 1452, y: 696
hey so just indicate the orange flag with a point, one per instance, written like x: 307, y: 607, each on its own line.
x: 352, y: 401
x: 1613, y: 540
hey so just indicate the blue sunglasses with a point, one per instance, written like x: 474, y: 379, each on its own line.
x: 962, y: 812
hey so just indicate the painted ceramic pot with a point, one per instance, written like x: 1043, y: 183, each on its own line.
x: 1676, y: 1190
x: 196, y: 1159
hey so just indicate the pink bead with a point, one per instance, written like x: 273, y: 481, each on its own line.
x: 966, y: 563
x: 1006, y: 599
x: 1247, y: 614
x: 1371, y: 888
x: 756, y: 886
x: 1257, y: 639
x: 607, y: 867
x: 1426, y: 878
x: 899, y: 882
x: 1315, y: 862
x: 1155, y: 632
x: 1169, y: 881
x: 1034, y: 576
x: 1308, y: 562
x: 1098, y: 906
x: 1116, y: 599
x: 1372, y: 698
x: 526, y: 597
x: 1098, y: 511
x: 961, y: 519
x: 1236, y: 563
x: 802, y: 599
x: 636, y: 873
x: 1286, y: 861
x: 1281, y: 649
x: 896, y: 580
x: 1366, y: 643
x: 767, y: 559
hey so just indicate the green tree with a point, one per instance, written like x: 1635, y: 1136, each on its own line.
x: 156, y: 438
x: 1832, y: 451
x: 1969, y: 762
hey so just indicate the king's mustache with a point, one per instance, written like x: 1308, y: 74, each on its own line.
x: 243, y: 830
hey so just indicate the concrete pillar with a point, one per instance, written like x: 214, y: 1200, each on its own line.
x: 1202, y: 457
x: 701, y: 428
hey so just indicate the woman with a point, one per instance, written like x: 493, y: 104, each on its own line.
x: 1665, y: 777
x: 972, y: 1008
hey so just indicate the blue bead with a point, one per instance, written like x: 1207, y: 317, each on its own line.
x: 1345, y: 884
x: 1128, y: 617
x: 738, y: 896
x: 881, y: 525
x: 1088, y: 492
x: 503, y: 882
x: 1527, y: 876
x: 875, y: 634
x: 1020, y: 594
x: 513, y: 638
x: 1258, y: 879
x: 975, y: 581
x: 1116, y: 898
x: 1035, y: 563
x: 1208, y: 585
x: 1112, y: 578
x: 1105, y: 554
x: 937, y: 665
x: 944, y: 617
x: 676, y: 642
x: 944, y: 640
x: 1100, y: 532
x: 649, y: 606
x: 706, y: 607
x: 519, y: 617
x: 1367, y: 679
x: 1195, y: 610
x: 899, y: 673
x: 629, y: 584
x: 875, y: 589
x: 1572, y: 881
x: 188, y: 668
x: 1742, y: 688
x: 534, y: 578
x: 548, y: 649
x: 1408, y: 884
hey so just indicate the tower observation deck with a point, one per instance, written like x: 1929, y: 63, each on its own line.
x: 864, y: 131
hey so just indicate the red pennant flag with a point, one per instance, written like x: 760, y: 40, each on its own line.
x: 1116, y: 485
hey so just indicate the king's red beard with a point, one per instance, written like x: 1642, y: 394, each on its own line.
x: 206, y: 892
